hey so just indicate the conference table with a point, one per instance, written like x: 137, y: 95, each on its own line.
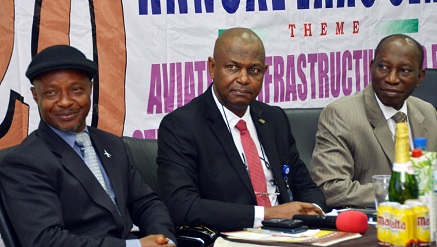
x: 367, y: 240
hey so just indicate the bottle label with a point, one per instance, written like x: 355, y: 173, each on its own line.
x: 434, y: 175
x: 406, y: 167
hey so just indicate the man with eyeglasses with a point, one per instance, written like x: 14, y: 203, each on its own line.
x: 226, y: 160
x: 355, y: 134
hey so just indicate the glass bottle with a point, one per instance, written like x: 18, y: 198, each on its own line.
x: 403, y: 183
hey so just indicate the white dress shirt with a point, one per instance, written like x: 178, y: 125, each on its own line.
x: 231, y: 120
x: 389, y: 112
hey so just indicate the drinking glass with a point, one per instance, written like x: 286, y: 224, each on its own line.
x: 380, y: 186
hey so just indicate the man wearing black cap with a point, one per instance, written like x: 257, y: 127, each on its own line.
x: 68, y: 184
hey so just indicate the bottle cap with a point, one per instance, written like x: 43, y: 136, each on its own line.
x: 420, y: 142
x: 417, y: 152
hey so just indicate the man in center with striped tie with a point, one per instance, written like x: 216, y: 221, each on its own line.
x: 223, y: 157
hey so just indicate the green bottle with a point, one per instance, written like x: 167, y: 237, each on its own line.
x: 403, y: 184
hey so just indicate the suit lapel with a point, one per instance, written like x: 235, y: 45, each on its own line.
x: 77, y: 167
x: 417, y: 121
x: 106, y: 157
x: 379, y: 123
x: 219, y: 128
x: 266, y: 137
x: 80, y: 171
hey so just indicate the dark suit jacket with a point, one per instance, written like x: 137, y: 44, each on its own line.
x: 201, y: 175
x: 53, y: 199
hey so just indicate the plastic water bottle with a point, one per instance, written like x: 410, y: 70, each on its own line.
x: 420, y: 142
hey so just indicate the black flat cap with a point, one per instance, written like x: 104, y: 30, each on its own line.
x: 60, y: 57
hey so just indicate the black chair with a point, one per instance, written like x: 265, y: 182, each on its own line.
x: 142, y: 153
x: 304, y: 124
x: 428, y: 88
x: 6, y: 230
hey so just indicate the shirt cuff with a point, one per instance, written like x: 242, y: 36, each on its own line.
x: 137, y: 243
x: 318, y: 207
x: 133, y: 243
x: 259, y: 216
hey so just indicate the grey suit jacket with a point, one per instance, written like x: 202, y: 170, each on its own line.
x: 53, y: 199
x: 354, y: 142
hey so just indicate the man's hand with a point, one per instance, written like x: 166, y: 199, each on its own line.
x: 287, y: 210
x: 155, y: 240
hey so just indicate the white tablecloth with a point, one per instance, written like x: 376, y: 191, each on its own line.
x: 220, y: 242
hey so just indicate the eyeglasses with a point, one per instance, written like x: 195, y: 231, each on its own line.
x: 260, y: 194
x: 266, y: 163
x: 273, y: 182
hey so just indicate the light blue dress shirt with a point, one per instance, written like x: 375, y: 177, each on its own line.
x: 70, y: 138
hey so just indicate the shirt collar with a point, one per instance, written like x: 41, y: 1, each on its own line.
x: 389, y: 111
x: 228, y: 116
x: 68, y: 136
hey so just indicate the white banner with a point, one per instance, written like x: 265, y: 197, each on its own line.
x: 152, y: 54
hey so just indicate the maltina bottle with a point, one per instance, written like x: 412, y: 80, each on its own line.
x: 403, y: 183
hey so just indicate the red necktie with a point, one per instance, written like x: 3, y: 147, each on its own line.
x: 257, y: 176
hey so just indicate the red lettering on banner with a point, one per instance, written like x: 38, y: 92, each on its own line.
x: 292, y: 27
x: 307, y: 28
x: 340, y: 27
x: 355, y: 28
x: 324, y: 27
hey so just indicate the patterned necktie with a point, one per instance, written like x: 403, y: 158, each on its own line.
x: 257, y: 176
x: 400, y: 117
x: 84, y: 142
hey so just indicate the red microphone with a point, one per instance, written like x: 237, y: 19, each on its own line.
x: 347, y: 221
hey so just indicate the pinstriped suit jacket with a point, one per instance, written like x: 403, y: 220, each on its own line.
x: 354, y: 142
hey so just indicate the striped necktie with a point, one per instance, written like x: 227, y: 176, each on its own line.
x: 399, y: 117
x: 257, y: 176
x: 89, y: 154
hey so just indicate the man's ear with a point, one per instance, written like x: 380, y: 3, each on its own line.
x: 421, y: 77
x: 211, y: 66
x: 35, y: 96
x: 371, y: 64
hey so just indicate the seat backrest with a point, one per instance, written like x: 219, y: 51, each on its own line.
x: 6, y: 230
x: 427, y: 89
x: 142, y: 153
x: 304, y: 122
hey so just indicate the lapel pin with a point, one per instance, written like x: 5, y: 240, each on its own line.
x: 106, y: 153
x: 262, y: 121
